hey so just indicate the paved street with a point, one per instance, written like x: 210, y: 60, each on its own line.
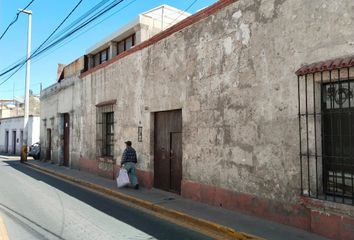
x: 36, y: 206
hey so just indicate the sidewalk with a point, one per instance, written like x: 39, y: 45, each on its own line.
x: 241, y: 223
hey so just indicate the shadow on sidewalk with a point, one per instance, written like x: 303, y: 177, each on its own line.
x: 145, y: 222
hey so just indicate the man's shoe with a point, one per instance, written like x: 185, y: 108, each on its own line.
x: 136, y: 187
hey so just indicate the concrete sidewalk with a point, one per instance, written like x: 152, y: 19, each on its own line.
x: 241, y: 223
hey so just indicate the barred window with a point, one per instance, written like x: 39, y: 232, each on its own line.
x: 108, y: 134
x: 125, y: 44
x: 105, y: 130
x: 326, y: 130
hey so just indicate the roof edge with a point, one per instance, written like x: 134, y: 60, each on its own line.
x: 204, y: 13
x: 332, y: 64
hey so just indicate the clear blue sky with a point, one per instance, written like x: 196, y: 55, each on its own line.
x: 47, y: 14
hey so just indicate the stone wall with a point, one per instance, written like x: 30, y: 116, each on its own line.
x: 55, y: 101
x: 233, y: 75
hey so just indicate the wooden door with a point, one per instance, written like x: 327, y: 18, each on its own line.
x: 176, y: 161
x: 66, y: 139
x: 49, y: 144
x: 14, y: 142
x: 7, y: 142
x: 168, y: 150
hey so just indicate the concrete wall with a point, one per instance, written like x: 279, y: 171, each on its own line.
x: 55, y: 101
x: 233, y: 76
x: 16, y: 124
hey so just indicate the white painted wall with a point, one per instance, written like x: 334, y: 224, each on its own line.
x: 15, y: 124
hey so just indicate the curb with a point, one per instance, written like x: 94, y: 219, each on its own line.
x: 207, y: 227
x: 3, y: 230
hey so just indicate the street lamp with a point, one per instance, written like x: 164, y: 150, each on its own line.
x: 28, y: 76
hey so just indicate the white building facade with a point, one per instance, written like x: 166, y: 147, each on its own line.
x: 12, y: 132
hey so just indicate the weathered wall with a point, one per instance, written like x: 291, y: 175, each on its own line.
x: 74, y: 67
x: 233, y: 76
x: 55, y: 101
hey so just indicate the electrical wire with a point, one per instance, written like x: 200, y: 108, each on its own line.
x: 83, y: 32
x: 70, y: 33
x: 80, y: 34
x: 185, y: 10
x: 55, y: 30
x: 15, y: 20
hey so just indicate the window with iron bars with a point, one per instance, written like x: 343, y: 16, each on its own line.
x: 326, y: 131
x: 105, y: 131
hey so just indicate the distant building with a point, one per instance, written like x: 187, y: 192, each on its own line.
x: 11, y: 133
x: 15, y: 107
x: 10, y: 108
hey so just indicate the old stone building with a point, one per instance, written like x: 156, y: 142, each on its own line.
x: 240, y: 105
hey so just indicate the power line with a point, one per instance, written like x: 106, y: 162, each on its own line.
x: 79, y: 27
x: 185, y: 10
x: 56, y: 29
x: 22, y: 60
x: 81, y: 33
x: 15, y: 19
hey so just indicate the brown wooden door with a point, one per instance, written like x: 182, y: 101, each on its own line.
x: 14, y: 142
x: 176, y: 161
x: 7, y: 142
x: 168, y: 151
x: 66, y: 138
x: 49, y: 144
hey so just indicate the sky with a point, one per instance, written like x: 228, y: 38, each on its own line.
x: 45, y: 18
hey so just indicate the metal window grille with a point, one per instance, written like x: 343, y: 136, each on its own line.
x: 105, y: 131
x: 326, y: 134
x: 108, y: 134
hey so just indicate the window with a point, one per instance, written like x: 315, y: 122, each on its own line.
x: 100, y: 57
x: 121, y: 47
x: 326, y: 130
x: 105, y: 129
x: 108, y: 134
x: 104, y: 56
x: 125, y: 44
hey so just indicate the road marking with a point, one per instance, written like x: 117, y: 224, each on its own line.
x: 3, y: 231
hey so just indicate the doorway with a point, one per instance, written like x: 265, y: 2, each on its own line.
x: 66, y: 138
x: 7, y: 141
x: 168, y: 150
x: 49, y: 144
x: 14, y: 142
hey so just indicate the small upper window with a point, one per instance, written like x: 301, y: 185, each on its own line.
x: 125, y: 44
x: 104, y: 56
x: 101, y: 57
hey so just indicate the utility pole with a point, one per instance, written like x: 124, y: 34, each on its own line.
x: 28, y: 76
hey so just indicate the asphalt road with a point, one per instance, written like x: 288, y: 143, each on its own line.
x: 34, y: 205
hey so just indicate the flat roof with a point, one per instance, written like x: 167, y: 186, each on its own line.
x: 32, y: 115
x: 170, y: 16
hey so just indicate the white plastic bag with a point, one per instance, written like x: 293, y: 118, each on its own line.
x: 123, y: 178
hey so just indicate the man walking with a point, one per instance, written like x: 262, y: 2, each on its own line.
x: 128, y: 161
